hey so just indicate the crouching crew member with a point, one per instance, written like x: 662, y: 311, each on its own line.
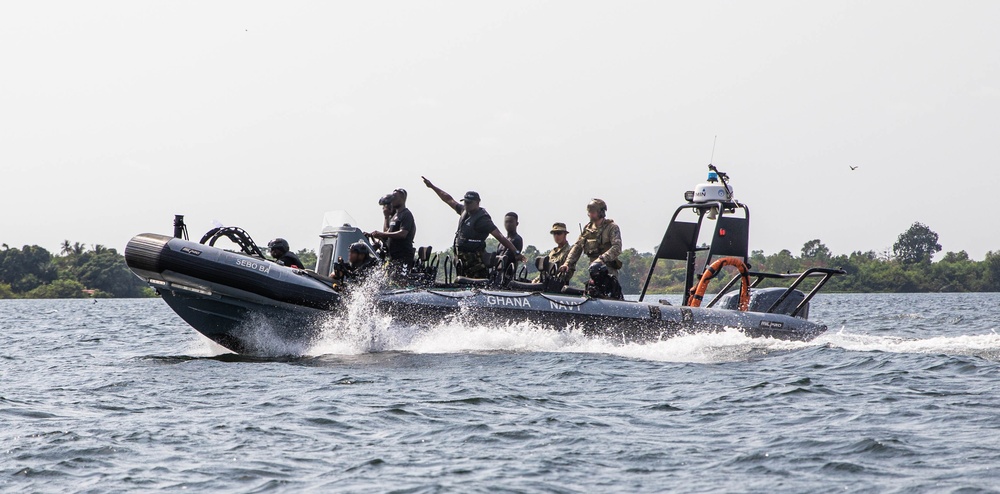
x: 474, y: 225
x: 601, y: 284
x: 601, y: 241
x: 282, y: 255
x: 359, y: 265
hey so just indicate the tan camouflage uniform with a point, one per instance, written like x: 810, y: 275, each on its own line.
x: 557, y: 256
x: 603, y: 243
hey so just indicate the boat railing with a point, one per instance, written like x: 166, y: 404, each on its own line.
x: 824, y: 273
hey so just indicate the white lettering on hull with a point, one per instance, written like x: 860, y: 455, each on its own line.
x: 558, y: 306
x: 508, y: 301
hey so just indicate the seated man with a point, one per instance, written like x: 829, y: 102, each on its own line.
x: 557, y: 256
x: 509, y: 257
x: 280, y: 252
x: 359, y: 265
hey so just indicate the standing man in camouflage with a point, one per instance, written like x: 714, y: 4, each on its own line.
x: 601, y: 241
x: 474, y: 225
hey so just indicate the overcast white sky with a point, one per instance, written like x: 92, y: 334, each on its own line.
x: 114, y: 116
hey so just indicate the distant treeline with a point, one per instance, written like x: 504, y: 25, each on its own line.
x: 76, y: 272
x: 908, y: 267
x: 867, y: 272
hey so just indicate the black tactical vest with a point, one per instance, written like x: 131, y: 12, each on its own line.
x: 467, y: 239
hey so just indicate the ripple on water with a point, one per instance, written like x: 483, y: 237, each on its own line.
x: 127, y: 397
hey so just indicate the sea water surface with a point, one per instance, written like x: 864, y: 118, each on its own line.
x: 900, y: 395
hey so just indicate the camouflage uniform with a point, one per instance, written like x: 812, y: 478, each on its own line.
x: 473, y: 265
x: 557, y: 257
x: 600, y: 243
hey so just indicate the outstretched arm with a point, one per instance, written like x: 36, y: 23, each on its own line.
x: 507, y: 243
x: 574, y: 255
x: 396, y: 235
x: 446, y: 197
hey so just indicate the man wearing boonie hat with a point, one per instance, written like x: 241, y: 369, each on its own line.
x: 557, y: 256
x: 474, y: 225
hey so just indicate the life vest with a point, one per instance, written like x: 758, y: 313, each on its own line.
x: 597, y: 239
x: 467, y: 239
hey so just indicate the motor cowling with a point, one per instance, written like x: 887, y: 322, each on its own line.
x: 762, y: 299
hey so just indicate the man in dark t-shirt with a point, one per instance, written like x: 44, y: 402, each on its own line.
x: 474, y: 225
x: 510, y: 224
x: 282, y: 255
x: 399, y: 231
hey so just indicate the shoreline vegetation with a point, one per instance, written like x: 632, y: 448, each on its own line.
x: 77, y: 271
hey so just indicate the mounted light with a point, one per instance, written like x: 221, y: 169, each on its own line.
x: 689, y: 196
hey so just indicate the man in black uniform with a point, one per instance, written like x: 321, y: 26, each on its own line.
x: 474, y: 225
x: 360, y: 263
x: 280, y: 252
x: 510, y: 224
x: 399, y: 229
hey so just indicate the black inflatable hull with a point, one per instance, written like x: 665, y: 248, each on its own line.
x: 240, y: 302
x: 247, y: 305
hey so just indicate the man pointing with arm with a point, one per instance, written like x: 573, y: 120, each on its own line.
x: 474, y: 226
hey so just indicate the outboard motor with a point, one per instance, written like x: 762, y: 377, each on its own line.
x: 602, y: 284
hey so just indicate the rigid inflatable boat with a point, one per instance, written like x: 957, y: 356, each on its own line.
x: 225, y: 293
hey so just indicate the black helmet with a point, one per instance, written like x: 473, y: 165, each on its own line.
x: 359, y: 247
x: 598, y: 271
x: 385, y: 200
x: 278, y: 243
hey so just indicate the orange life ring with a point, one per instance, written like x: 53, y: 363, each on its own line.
x: 698, y: 291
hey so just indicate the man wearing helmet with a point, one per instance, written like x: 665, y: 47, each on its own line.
x: 474, y: 225
x: 282, y: 255
x: 601, y: 241
x: 360, y: 262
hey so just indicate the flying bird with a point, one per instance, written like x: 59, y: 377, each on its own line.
x: 853, y: 167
